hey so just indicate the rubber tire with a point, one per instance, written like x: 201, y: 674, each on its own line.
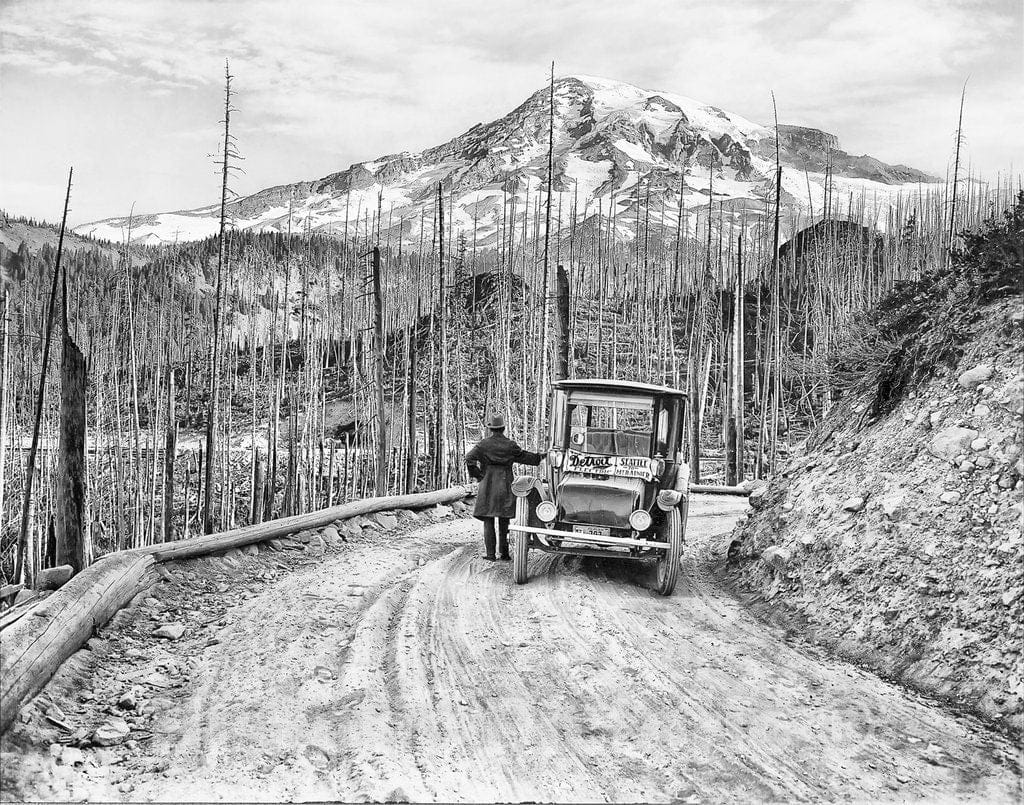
x: 671, y: 532
x: 520, y: 541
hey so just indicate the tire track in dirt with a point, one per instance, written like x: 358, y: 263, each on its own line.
x: 406, y: 667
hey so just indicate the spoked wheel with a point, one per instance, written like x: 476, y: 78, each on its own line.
x: 671, y: 531
x: 520, y: 541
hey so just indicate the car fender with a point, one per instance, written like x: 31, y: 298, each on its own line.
x: 523, y: 484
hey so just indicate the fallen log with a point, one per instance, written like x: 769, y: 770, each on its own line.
x: 710, y: 489
x: 239, y: 537
x: 40, y: 639
x: 36, y: 645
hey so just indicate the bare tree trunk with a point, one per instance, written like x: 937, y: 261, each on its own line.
x: 738, y: 363
x: 170, y: 450
x: 211, y: 411
x: 546, y: 281
x: 441, y: 446
x: 70, y: 519
x: 776, y: 301
x: 410, y: 456
x: 30, y: 468
x: 562, y: 342
x: 378, y: 348
x: 956, y: 172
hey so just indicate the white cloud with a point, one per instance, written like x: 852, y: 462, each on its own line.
x: 323, y: 84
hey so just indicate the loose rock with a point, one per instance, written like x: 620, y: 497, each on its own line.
x: 170, y: 631
x: 972, y: 377
x: 854, y: 504
x: 757, y: 496
x: 950, y: 442
x: 950, y: 497
x: 777, y: 556
x: 111, y: 732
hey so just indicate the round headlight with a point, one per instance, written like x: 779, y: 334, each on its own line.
x: 640, y: 520
x: 668, y: 499
x: 547, y: 511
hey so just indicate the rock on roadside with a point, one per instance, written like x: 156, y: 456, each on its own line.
x: 972, y: 377
x: 170, y: 631
x: 951, y: 442
x: 776, y: 556
x: 111, y: 732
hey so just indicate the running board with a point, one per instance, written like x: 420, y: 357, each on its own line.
x: 593, y: 539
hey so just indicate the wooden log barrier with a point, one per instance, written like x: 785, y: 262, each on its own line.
x: 711, y: 489
x: 33, y: 647
x: 211, y: 543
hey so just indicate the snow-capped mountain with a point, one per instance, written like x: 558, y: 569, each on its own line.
x: 617, y: 149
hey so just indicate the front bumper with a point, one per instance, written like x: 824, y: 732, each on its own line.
x: 590, y: 539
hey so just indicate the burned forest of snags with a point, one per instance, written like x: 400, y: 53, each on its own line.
x: 259, y: 373
x: 205, y: 410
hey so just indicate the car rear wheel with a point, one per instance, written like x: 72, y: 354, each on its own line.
x: 670, y: 531
x: 520, y: 541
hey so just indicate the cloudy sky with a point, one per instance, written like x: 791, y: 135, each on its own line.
x: 129, y: 92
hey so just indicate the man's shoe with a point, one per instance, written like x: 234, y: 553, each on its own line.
x: 505, y: 558
x: 488, y: 558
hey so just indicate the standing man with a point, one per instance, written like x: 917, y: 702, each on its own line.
x: 490, y: 463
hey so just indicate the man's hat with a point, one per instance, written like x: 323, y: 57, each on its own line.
x: 495, y: 422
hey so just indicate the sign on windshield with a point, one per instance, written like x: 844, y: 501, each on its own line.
x: 619, y: 466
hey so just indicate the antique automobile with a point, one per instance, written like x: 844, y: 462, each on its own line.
x: 616, y: 484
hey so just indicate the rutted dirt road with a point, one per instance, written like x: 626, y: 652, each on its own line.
x: 405, y: 667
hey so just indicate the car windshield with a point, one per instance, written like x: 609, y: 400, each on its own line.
x: 611, y: 427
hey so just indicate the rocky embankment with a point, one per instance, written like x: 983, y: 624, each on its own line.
x: 899, y: 543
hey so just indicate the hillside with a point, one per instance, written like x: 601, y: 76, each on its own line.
x: 895, y: 537
x: 619, y: 152
x: 35, y: 235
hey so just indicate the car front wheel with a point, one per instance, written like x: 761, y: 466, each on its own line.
x: 671, y: 531
x: 520, y: 541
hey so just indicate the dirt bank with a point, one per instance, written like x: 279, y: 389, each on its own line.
x: 402, y: 666
x: 899, y: 544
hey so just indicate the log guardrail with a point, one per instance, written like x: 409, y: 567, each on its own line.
x: 33, y: 646
x: 715, y: 489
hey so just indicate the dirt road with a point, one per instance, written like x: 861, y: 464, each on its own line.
x: 405, y: 667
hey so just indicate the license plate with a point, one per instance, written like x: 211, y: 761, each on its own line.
x: 597, y: 531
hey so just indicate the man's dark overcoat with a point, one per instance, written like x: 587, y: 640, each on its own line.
x: 490, y: 462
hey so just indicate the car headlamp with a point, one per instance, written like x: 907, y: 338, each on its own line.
x: 547, y: 511
x: 555, y: 458
x: 668, y: 499
x: 640, y: 520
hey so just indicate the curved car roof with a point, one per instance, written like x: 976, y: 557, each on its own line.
x: 599, y: 384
